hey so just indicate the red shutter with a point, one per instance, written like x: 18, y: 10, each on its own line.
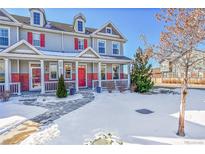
x: 85, y: 43
x: 30, y: 38
x: 42, y: 40
x: 76, y: 43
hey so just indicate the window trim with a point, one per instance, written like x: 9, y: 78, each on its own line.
x: 64, y: 71
x: 39, y: 18
x: 51, y: 63
x: 81, y: 39
x: 38, y: 33
x: 8, y: 28
x: 98, y: 46
x: 105, y: 71
x: 76, y: 25
x: 109, y: 29
x: 114, y: 42
x: 113, y: 71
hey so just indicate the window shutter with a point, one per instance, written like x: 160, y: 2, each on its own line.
x: 42, y: 40
x: 30, y: 38
x: 85, y: 43
x: 76, y: 43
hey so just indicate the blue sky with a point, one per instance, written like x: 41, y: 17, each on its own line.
x: 131, y: 22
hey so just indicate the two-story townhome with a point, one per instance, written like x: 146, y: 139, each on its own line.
x: 34, y: 52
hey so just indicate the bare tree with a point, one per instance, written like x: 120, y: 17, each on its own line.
x: 180, y: 42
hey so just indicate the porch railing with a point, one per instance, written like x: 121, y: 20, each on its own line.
x: 117, y: 83
x: 15, y: 88
x: 53, y: 85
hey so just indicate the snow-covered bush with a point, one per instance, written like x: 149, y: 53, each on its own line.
x: 104, y: 139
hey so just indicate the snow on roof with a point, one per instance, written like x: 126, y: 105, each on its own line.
x: 57, y: 53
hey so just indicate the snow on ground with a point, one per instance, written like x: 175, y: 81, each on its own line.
x: 53, y: 99
x: 115, y: 113
x: 12, y: 113
x: 43, y: 136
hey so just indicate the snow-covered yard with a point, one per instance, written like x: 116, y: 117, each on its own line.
x: 116, y: 113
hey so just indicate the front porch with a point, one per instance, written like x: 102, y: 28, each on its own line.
x: 25, y: 68
x: 29, y: 75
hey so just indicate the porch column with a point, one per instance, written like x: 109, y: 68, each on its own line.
x: 128, y: 75
x: 42, y: 78
x: 76, y: 76
x: 60, y: 67
x: 6, y: 67
x: 99, y: 74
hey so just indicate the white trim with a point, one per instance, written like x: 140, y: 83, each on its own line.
x: 114, y: 42
x: 7, y: 14
x: 49, y: 70
x: 9, y: 36
x: 65, y: 71
x: 98, y: 40
x: 88, y: 49
x: 106, y: 28
x: 86, y: 75
x: 17, y: 34
x: 76, y: 25
x: 32, y: 18
x: 36, y: 33
x: 20, y: 43
x: 113, y: 72
x: 53, y: 58
x: 80, y: 39
x: 108, y: 38
x: 105, y: 25
x: 109, y: 35
x: 105, y: 65
x: 62, y: 42
x: 30, y: 76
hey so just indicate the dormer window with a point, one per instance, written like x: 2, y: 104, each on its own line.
x: 108, y: 30
x: 36, y: 18
x: 80, y: 26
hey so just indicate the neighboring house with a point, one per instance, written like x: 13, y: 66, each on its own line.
x: 170, y: 71
x: 34, y: 52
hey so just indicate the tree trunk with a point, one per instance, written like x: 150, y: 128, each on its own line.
x: 182, y: 108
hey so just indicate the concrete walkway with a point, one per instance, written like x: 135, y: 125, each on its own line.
x: 58, y: 109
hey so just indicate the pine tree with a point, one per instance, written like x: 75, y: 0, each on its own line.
x: 61, y: 90
x: 141, y: 72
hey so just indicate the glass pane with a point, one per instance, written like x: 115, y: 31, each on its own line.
x: 67, y: 71
x: 116, y: 70
x: 36, y: 77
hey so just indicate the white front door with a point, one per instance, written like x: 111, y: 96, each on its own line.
x: 35, y: 76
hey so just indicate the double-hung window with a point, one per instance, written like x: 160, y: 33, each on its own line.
x: 115, y: 48
x: 101, y: 46
x: 103, y: 72
x: 116, y: 71
x: 80, y: 26
x: 4, y: 36
x: 36, y: 18
x: 68, y: 71
x: 36, y: 40
x: 81, y: 44
x: 53, y: 71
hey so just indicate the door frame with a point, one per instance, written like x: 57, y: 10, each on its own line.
x: 30, y: 76
x: 86, y: 75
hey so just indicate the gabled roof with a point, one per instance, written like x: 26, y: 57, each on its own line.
x: 8, y: 15
x: 89, y: 49
x: 53, y: 25
x: 105, y: 25
x: 22, y: 42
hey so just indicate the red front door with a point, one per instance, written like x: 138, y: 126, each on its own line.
x: 81, y: 77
